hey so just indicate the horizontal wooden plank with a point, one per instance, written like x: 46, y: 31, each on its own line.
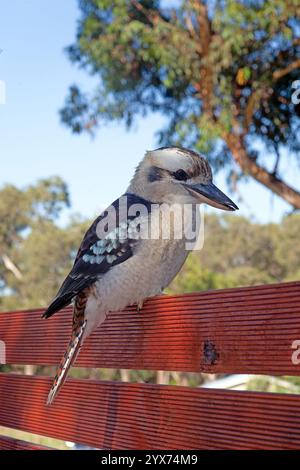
x: 245, y: 330
x: 142, y: 416
x: 8, y: 443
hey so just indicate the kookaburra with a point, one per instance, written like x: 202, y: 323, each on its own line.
x: 117, y: 265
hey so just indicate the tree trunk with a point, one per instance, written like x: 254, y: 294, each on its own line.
x: 29, y: 369
x: 162, y: 377
x: 125, y: 375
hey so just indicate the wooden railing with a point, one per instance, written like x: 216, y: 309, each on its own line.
x: 246, y: 330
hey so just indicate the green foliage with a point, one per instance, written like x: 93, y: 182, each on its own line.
x: 43, y: 258
x: 209, y: 73
x: 35, y: 253
x: 237, y: 252
x: 194, y: 277
x: 20, y: 209
x: 275, y: 384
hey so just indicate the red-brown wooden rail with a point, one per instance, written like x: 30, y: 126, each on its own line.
x: 116, y: 415
x: 247, y: 330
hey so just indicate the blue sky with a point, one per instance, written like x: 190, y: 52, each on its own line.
x: 33, y: 143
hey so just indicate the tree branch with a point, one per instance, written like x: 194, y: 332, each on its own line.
x: 203, y: 22
x: 152, y: 16
x: 190, y: 27
x: 275, y: 170
x: 205, y: 88
x: 265, y: 92
x: 286, y: 70
x: 194, y: 35
x: 251, y: 107
x: 8, y: 263
x: 249, y: 166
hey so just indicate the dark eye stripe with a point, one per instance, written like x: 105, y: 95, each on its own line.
x: 155, y: 174
x: 181, y: 175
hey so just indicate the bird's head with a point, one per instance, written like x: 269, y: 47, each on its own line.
x: 177, y: 175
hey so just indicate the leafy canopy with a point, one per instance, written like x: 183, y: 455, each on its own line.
x: 220, y: 71
x: 35, y: 253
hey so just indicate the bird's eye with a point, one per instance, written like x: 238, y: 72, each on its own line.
x: 181, y: 175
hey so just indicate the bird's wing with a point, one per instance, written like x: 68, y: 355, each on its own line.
x: 100, y: 250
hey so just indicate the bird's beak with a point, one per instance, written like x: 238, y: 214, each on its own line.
x: 210, y: 194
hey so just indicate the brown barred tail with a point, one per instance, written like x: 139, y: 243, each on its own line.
x: 79, y: 325
x: 67, y: 360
